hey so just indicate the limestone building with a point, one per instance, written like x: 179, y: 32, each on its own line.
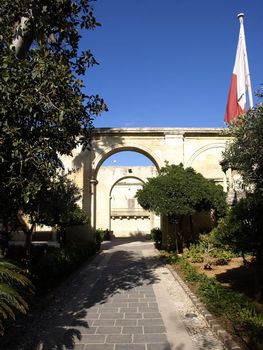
x: 108, y: 192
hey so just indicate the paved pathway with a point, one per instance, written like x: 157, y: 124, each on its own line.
x: 125, y: 299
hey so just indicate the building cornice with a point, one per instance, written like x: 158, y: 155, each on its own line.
x: 186, y: 132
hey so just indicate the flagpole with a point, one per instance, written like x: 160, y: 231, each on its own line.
x: 240, y: 16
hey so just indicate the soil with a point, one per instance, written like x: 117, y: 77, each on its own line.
x: 238, y: 277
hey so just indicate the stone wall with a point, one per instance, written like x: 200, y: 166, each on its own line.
x: 200, y: 148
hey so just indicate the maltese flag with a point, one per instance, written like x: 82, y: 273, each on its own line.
x: 236, y: 104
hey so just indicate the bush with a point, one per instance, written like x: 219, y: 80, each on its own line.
x: 241, y: 229
x: 99, y: 235
x: 209, y: 248
x: 53, y: 266
x: 156, y: 236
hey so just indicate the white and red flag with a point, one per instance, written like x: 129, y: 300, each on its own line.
x: 240, y: 83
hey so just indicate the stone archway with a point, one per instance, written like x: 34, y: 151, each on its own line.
x: 199, y: 147
x: 106, y: 179
x: 109, y: 151
x: 126, y: 216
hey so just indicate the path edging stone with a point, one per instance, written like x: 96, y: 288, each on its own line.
x: 217, y: 329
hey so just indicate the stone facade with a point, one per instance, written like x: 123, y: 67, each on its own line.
x: 121, y: 213
x: 200, y: 148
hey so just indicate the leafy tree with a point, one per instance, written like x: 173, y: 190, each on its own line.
x: 243, y: 153
x: 58, y: 208
x: 241, y: 229
x: 177, y: 192
x: 12, y: 285
x: 43, y: 111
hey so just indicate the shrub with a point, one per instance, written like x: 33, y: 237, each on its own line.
x: 208, y: 248
x: 52, y: 267
x: 100, y: 235
x: 156, y: 236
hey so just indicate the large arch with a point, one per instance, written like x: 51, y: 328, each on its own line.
x: 109, y: 151
x: 188, y: 146
x: 107, y: 177
x: 126, y: 177
x: 202, y: 150
x: 126, y: 216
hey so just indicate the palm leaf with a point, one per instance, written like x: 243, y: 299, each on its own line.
x: 10, y: 296
x: 12, y: 281
x: 12, y: 274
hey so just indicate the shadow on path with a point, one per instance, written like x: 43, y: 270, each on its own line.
x: 65, y: 317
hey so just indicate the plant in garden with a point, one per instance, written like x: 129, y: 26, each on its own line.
x: 241, y: 230
x: 230, y: 306
x: 44, y: 112
x: 59, y: 262
x: 13, y: 284
x: 156, y: 235
x: 208, y: 247
x: 177, y: 192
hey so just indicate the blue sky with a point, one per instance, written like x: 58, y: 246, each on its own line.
x: 169, y: 63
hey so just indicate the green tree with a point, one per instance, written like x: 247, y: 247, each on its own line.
x: 243, y: 153
x: 241, y: 231
x: 177, y: 192
x: 58, y: 208
x: 242, y: 227
x: 44, y: 112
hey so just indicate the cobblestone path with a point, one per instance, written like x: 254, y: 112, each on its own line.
x: 124, y: 299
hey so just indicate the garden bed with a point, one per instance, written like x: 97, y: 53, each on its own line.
x: 236, y: 276
x: 225, y: 292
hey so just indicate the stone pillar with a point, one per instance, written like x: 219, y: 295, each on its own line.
x: 174, y: 148
x: 93, y: 184
x: 110, y: 198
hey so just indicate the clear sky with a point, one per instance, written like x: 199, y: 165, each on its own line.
x: 169, y: 63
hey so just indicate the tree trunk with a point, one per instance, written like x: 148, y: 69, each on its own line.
x: 28, y: 233
x: 258, y: 280
x: 179, y: 237
x: 191, y: 228
x: 23, y: 38
x: 23, y: 31
x: 28, y: 244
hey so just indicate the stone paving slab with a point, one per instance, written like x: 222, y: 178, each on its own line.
x: 125, y: 299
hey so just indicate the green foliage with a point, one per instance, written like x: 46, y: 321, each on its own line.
x: 208, y: 247
x: 195, y: 253
x: 177, y: 192
x: 52, y: 266
x: 13, y: 285
x: 99, y: 235
x: 243, y: 153
x: 102, y: 235
x: 44, y: 113
x: 222, y: 301
x: 241, y: 229
x: 57, y: 207
x: 157, y: 236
